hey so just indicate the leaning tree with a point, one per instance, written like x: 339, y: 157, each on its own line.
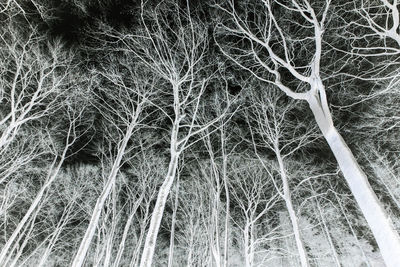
x: 282, y: 44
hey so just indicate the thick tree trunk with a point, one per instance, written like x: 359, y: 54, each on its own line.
x: 151, y: 238
x: 381, y: 225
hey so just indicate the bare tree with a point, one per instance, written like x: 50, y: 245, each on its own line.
x: 283, y: 137
x: 124, y: 112
x: 32, y: 79
x: 175, y: 52
x: 195, y: 235
x: 271, y: 49
x: 254, y: 195
x: 220, y: 146
x: 74, y: 117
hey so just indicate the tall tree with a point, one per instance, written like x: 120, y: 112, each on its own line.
x: 124, y: 110
x: 269, y: 54
x: 173, y: 46
x: 284, y: 137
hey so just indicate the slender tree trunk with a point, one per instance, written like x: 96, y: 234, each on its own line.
x: 227, y: 205
x: 247, y: 245
x: 51, y: 177
x: 252, y: 248
x: 381, y: 225
x: 172, y: 238
x: 110, y: 233
x: 227, y: 214
x: 127, y: 226
x: 292, y: 214
x: 151, y: 238
x: 326, y: 229
x: 191, y: 241
x: 94, y: 220
x: 143, y: 224
x: 366, y: 260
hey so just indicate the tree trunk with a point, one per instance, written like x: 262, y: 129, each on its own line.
x: 227, y: 215
x: 151, y: 238
x: 325, y: 228
x: 94, y: 220
x: 52, y: 175
x: 292, y: 214
x: 126, y: 231
x: 381, y: 225
x: 247, y: 245
x: 172, y: 237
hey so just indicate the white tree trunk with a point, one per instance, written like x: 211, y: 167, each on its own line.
x: 126, y: 231
x: 151, y: 238
x: 52, y: 175
x: 247, y: 244
x: 227, y: 214
x: 381, y: 225
x: 172, y: 237
x: 292, y: 214
x: 326, y: 229
x: 94, y: 220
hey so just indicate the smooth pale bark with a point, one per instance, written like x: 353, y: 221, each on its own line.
x: 172, y: 238
x: 292, y: 214
x: 379, y: 222
x: 227, y: 205
x: 155, y: 222
x: 248, y: 256
x: 227, y: 213
x: 127, y: 226
x: 110, y: 233
x: 94, y: 220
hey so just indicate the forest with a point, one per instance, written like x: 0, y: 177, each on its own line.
x: 199, y: 133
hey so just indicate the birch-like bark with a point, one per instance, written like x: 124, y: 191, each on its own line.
x: 381, y: 225
x: 379, y: 222
x: 292, y: 213
x: 172, y: 238
x: 151, y: 238
x: 52, y: 175
x: 94, y: 220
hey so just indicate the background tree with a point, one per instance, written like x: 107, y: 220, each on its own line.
x: 174, y: 51
x: 125, y: 112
